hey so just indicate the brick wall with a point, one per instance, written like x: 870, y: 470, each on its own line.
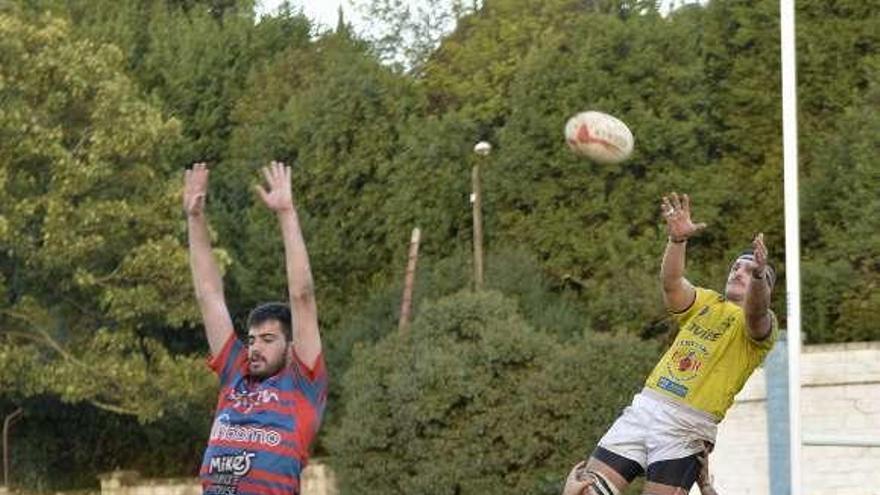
x: 840, y: 396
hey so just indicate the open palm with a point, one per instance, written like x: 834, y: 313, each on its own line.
x: 677, y: 213
x: 277, y: 194
x: 195, y: 188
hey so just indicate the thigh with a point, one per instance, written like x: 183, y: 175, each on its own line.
x: 619, y: 470
x: 628, y: 437
x: 672, y: 476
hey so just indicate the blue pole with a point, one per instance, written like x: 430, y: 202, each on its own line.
x: 778, y: 437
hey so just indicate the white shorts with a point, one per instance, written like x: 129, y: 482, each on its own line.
x: 654, y: 428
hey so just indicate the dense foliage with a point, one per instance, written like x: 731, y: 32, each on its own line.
x: 475, y: 400
x: 104, y: 102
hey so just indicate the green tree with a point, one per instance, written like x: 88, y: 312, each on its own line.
x: 841, y: 217
x: 91, y: 253
x: 476, y: 401
x: 334, y: 114
x: 596, y: 226
x: 406, y: 34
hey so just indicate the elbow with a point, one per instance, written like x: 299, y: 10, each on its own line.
x: 303, y: 293
x: 670, y: 284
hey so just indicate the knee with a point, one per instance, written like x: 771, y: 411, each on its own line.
x: 582, y: 480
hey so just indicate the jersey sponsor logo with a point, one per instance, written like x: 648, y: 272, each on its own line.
x: 687, y: 360
x: 244, y: 400
x: 232, y: 464
x: 226, y: 470
x: 221, y: 490
x: 703, y: 332
x: 226, y: 431
x: 669, y: 385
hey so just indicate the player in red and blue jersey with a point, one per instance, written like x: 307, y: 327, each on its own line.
x: 273, y: 387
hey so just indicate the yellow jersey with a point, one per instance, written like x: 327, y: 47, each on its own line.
x: 712, y: 356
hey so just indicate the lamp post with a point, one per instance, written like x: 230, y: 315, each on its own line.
x: 482, y: 149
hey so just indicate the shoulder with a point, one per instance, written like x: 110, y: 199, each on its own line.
x: 703, y: 299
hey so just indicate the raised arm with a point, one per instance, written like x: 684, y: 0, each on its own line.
x: 757, y: 304
x: 206, y: 275
x: 678, y: 293
x: 304, y: 310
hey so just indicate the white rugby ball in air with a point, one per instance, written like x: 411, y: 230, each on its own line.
x: 599, y: 137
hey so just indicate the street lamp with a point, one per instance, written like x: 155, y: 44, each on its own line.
x: 482, y: 149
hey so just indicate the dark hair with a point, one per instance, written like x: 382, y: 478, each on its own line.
x: 276, y: 311
x: 771, y: 273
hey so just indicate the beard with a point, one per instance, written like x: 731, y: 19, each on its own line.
x: 260, y: 367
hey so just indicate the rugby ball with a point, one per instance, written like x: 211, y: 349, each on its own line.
x: 599, y: 137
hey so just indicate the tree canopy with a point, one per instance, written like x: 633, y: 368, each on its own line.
x: 104, y: 103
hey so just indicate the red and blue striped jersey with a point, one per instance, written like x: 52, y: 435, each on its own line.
x: 262, y: 430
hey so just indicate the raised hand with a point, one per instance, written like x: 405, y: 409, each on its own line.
x: 278, y: 196
x: 760, y: 251
x: 577, y: 481
x: 677, y: 213
x: 195, y: 189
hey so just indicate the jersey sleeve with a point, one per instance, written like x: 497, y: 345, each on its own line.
x: 312, y: 381
x: 230, y: 361
x: 702, y: 299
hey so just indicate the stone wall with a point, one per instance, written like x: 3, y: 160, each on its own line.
x: 840, y: 400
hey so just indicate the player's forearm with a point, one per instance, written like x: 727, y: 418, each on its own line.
x: 306, y: 337
x: 206, y: 274
x: 672, y: 266
x: 757, y: 304
x: 299, y: 273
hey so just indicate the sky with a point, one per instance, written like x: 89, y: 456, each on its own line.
x: 323, y: 11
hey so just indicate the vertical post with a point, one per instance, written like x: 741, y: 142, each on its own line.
x: 409, y: 282
x: 6, y: 424
x: 483, y: 148
x: 778, y: 437
x: 478, y: 226
x: 788, y: 48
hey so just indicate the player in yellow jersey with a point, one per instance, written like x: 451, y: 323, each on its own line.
x: 722, y: 339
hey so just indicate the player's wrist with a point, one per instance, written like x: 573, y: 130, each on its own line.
x: 677, y: 239
x: 285, y: 210
x: 193, y: 214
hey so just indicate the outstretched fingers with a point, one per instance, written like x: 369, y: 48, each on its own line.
x: 268, y: 174
x: 195, y: 187
x: 760, y: 250
x: 276, y: 174
x: 666, y: 207
x: 262, y: 192
x: 675, y: 200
